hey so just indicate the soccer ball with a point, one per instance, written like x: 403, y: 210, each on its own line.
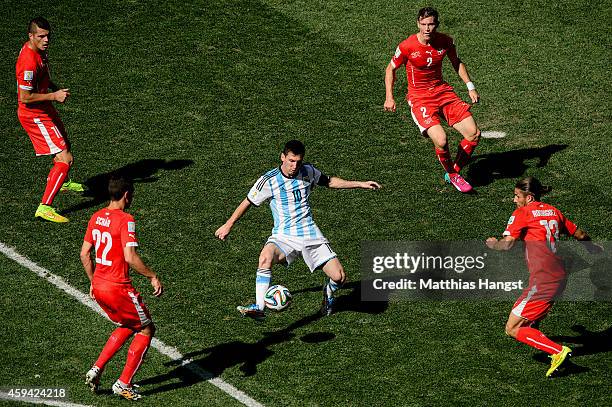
x: 277, y: 298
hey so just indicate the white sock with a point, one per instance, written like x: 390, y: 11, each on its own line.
x: 262, y: 283
x: 331, y: 287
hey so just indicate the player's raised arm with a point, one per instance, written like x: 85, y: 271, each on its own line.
x: 389, y: 84
x: 135, y: 262
x: 339, y: 183
x: 226, y: 228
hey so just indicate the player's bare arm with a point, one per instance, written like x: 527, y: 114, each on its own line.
x: 31, y: 97
x: 389, y: 83
x: 88, y: 264
x: 462, y: 71
x: 226, y: 228
x: 134, y: 260
x: 339, y: 183
x: 503, y: 244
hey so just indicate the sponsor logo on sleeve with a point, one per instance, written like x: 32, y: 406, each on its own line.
x: 28, y: 75
x: 131, y: 227
x: 397, y: 52
x: 511, y: 220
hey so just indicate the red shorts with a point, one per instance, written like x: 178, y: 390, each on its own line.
x: 46, y: 131
x: 427, y: 107
x: 123, y: 305
x: 536, y: 300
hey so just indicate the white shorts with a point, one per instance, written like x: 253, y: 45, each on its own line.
x: 315, y: 252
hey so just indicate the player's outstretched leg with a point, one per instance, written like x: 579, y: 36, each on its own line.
x: 138, y: 349
x: 262, y: 283
x: 112, y: 346
x: 336, y: 277
x: 471, y: 136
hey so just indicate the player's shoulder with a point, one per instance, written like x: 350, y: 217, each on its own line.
x: 408, y: 42
x: 521, y: 213
x: 309, y: 168
x: 27, y: 55
x: 443, y: 40
x: 271, y: 173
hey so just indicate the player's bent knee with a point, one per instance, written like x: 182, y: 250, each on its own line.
x: 64, y: 156
x: 148, y: 330
x: 476, y: 135
x: 341, y: 275
x: 512, y: 330
x: 265, y: 260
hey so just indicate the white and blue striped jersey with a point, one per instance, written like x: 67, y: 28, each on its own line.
x: 289, y: 200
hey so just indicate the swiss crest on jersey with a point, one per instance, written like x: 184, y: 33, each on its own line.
x: 429, y: 58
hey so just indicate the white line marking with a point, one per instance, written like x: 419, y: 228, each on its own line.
x: 492, y: 134
x: 164, y: 349
x: 47, y: 402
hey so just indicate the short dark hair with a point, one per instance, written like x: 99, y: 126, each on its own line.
x: 294, y: 146
x: 118, y: 186
x: 39, y: 22
x: 429, y: 12
x: 532, y: 186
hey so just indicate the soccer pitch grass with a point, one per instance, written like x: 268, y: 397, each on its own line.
x: 197, y: 99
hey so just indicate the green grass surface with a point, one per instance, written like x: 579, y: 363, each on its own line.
x: 197, y: 100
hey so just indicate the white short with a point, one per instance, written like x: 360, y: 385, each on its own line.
x: 315, y: 252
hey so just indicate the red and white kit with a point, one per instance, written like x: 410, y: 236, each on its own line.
x: 539, y: 225
x: 110, y: 231
x: 40, y: 120
x: 428, y: 95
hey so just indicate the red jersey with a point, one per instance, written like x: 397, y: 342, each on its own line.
x: 423, y: 62
x: 539, y: 225
x: 32, y: 70
x: 111, y: 230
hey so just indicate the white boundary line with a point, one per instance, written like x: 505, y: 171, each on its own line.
x: 164, y: 349
x: 47, y: 402
x: 492, y: 134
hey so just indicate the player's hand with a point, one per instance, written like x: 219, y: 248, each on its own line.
x: 474, y: 96
x: 371, y: 185
x: 223, y: 231
x: 61, y: 95
x: 158, y: 289
x: 491, y: 242
x: 390, y: 105
x: 91, y: 294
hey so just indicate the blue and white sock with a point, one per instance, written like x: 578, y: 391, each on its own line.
x: 262, y: 283
x: 331, y: 287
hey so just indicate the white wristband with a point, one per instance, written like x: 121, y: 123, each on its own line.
x: 470, y: 85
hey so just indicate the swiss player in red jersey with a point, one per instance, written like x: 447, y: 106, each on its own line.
x: 113, y: 234
x: 430, y: 98
x: 538, y: 224
x: 35, y: 92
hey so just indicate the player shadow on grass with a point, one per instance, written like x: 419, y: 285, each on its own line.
x: 194, y: 367
x: 191, y: 370
x: 142, y: 171
x: 353, y: 300
x: 486, y: 168
x: 587, y: 343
